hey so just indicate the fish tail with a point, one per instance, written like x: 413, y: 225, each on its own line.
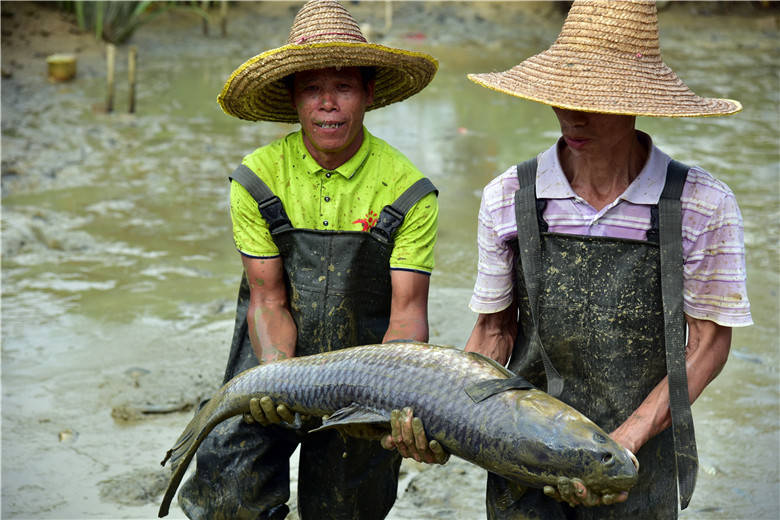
x: 182, y: 452
x: 180, y: 448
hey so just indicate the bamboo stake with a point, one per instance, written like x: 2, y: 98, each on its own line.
x: 205, y: 6
x: 223, y: 7
x: 131, y: 61
x: 111, y: 58
x: 388, y: 15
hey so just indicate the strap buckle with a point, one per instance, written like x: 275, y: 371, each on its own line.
x: 273, y: 212
x: 388, y: 222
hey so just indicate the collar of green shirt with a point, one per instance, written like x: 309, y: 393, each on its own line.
x: 346, y: 170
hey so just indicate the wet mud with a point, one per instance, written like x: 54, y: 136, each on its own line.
x: 119, y: 275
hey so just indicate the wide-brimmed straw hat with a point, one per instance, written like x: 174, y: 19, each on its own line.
x: 606, y: 59
x: 324, y: 34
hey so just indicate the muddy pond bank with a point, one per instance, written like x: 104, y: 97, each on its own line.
x: 119, y: 273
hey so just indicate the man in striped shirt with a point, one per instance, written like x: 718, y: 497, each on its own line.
x: 713, y: 246
x: 596, y: 254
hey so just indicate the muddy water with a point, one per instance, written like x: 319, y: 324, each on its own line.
x: 119, y: 273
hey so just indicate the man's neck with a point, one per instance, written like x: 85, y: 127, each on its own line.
x: 332, y: 159
x: 600, y: 178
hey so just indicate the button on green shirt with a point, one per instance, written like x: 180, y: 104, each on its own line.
x: 347, y: 198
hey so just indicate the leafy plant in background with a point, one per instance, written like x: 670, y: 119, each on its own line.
x: 115, y: 22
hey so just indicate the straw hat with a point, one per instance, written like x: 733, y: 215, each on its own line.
x: 323, y: 35
x: 606, y: 59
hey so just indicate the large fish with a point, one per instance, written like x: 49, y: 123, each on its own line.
x: 474, y: 407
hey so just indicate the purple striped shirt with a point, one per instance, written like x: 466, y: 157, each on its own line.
x: 714, y: 285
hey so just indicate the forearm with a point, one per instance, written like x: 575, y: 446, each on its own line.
x: 413, y: 326
x: 272, y: 332
x: 706, y: 354
x: 409, y: 306
x: 494, y: 335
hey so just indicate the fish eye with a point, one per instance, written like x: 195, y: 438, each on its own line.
x: 607, y: 458
x: 599, y: 438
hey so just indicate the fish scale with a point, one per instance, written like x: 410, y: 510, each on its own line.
x: 524, y: 435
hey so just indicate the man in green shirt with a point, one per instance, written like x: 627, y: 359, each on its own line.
x: 336, y: 231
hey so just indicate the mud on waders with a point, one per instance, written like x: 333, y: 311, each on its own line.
x: 607, y: 314
x: 338, y: 285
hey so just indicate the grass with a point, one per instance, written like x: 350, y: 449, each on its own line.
x: 115, y: 22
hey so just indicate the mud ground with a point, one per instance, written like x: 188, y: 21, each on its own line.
x: 103, y: 419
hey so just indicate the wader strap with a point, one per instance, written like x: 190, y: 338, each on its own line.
x: 652, y: 233
x: 392, y: 216
x: 269, y: 205
x: 670, y: 241
x: 480, y: 391
x: 530, y: 251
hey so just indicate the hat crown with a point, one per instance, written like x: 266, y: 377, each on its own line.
x: 324, y: 21
x: 628, y: 28
x: 606, y: 59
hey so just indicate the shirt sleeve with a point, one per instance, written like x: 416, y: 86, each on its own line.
x: 250, y: 230
x: 714, y: 274
x: 495, y: 279
x: 416, y: 238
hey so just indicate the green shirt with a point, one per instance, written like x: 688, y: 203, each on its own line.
x: 347, y: 198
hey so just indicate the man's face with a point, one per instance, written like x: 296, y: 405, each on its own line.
x: 591, y: 133
x: 330, y: 105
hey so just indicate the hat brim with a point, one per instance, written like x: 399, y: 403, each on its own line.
x: 255, y: 90
x: 574, y: 83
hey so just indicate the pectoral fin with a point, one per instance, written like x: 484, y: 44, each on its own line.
x: 358, y: 421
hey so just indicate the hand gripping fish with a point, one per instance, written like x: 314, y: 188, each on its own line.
x: 474, y: 407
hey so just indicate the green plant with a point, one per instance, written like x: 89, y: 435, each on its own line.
x: 115, y: 22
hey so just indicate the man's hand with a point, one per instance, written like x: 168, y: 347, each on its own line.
x: 408, y: 437
x: 575, y: 493
x: 265, y: 412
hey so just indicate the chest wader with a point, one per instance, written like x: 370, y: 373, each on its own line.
x: 338, y: 286
x: 607, y: 314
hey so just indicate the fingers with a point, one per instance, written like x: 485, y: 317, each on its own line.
x: 269, y: 409
x: 574, y: 492
x: 264, y: 411
x: 407, y: 433
x: 552, y: 492
x: 387, y: 442
x: 585, y: 497
x: 396, y: 432
x: 285, y: 414
x: 439, y: 455
x: 420, y: 441
x: 256, y: 412
x: 248, y: 415
x: 566, y: 490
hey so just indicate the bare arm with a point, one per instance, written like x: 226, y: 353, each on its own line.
x: 271, y: 326
x: 705, y: 354
x: 409, y: 320
x: 494, y: 334
x: 409, y: 306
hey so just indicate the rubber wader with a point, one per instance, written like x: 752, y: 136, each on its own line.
x: 338, y: 285
x: 609, y: 314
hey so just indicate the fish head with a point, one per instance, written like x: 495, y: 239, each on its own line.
x: 603, y: 465
x: 560, y: 442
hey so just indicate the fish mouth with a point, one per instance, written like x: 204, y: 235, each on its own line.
x: 617, y: 473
